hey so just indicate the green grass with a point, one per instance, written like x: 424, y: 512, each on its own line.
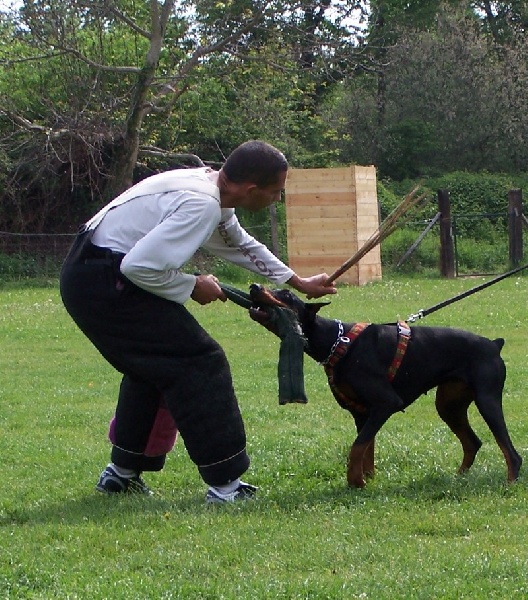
x: 417, y: 530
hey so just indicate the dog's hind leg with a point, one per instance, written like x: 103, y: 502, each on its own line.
x: 489, y: 405
x: 452, y: 403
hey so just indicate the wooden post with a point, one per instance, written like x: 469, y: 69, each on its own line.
x: 274, y: 230
x: 515, y: 212
x: 447, y: 251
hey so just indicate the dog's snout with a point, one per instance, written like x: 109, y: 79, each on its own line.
x: 255, y: 289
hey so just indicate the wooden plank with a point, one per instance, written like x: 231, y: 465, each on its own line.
x: 334, y: 261
x: 368, y: 272
x: 317, y: 233
x: 341, y: 200
x: 346, y: 220
x: 330, y: 214
x: 317, y: 230
x: 359, y: 172
x: 307, y: 187
x: 371, y: 258
x: 316, y: 225
x: 322, y: 247
x: 329, y: 257
x: 343, y: 222
x: 321, y: 213
x: 335, y: 174
x: 314, y: 263
x: 320, y: 239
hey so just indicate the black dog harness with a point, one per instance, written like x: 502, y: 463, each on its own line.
x: 342, y: 345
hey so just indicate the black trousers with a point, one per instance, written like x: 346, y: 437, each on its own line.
x: 161, y: 350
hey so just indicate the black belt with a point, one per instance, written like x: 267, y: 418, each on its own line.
x: 93, y: 254
x: 113, y: 259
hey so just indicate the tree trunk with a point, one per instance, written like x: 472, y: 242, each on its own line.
x: 126, y: 150
x: 126, y: 153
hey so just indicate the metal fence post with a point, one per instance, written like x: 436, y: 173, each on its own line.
x: 515, y: 222
x: 447, y: 252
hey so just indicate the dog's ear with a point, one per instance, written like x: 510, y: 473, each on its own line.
x: 315, y: 307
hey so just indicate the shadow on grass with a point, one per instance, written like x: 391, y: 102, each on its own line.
x: 93, y: 508
x: 284, y: 496
x: 427, y: 489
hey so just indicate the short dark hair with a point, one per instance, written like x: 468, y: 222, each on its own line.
x: 255, y: 161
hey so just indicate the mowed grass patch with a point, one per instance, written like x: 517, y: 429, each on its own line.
x: 417, y: 531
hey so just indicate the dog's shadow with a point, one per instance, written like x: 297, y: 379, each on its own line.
x: 430, y: 488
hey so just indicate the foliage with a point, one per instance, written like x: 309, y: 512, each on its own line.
x: 479, y: 206
x: 91, y: 90
x: 423, y: 261
x: 481, y: 192
x: 27, y: 267
x: 488, y: 255
x: 113, y: 78
x: 446, y: 97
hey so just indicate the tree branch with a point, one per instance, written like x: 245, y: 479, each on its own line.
x: 171, y: 86
x: 128, y: 21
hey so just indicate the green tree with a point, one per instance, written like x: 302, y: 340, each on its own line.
x: 504, y: 20
x: 91, y: 87
x: 453, y: 98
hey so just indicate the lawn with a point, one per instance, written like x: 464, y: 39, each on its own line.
x: 417, y: 530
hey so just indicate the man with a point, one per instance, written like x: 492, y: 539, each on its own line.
x: 122, y: 285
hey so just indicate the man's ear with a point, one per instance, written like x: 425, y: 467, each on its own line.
x: 249, y: 187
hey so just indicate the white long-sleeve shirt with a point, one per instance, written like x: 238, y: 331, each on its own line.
x: 161, y: 222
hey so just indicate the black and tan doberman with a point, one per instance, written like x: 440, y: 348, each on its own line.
x: 377, y: 370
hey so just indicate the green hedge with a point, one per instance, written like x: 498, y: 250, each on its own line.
x: 479, y: 204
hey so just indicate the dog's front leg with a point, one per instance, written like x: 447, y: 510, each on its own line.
x: 360, y: 418
x: 360, y: 464
x: 361, y: 455
x: 368, y: 460
x: 355, y: 473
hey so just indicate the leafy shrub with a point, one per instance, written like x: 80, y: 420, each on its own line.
x: 479, y: 206
x: 423, y: 259
x: 18, y: 266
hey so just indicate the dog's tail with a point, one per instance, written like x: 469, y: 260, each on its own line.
x: 500, y: 343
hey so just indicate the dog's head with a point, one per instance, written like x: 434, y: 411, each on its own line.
x: 264, y: 299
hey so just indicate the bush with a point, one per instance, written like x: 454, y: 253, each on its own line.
x: 423, y: 259
x: 479, y: 205
x: 18, y: 267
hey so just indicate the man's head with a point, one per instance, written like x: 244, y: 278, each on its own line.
x: 253, y: 176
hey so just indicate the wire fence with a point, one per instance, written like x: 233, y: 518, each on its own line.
x: 40, y: 255
x: 24, y: 255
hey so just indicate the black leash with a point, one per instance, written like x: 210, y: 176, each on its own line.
x: 423, y: 313
x: 237, y: 296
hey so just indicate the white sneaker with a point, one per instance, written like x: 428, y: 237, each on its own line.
x: 244, y: 491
